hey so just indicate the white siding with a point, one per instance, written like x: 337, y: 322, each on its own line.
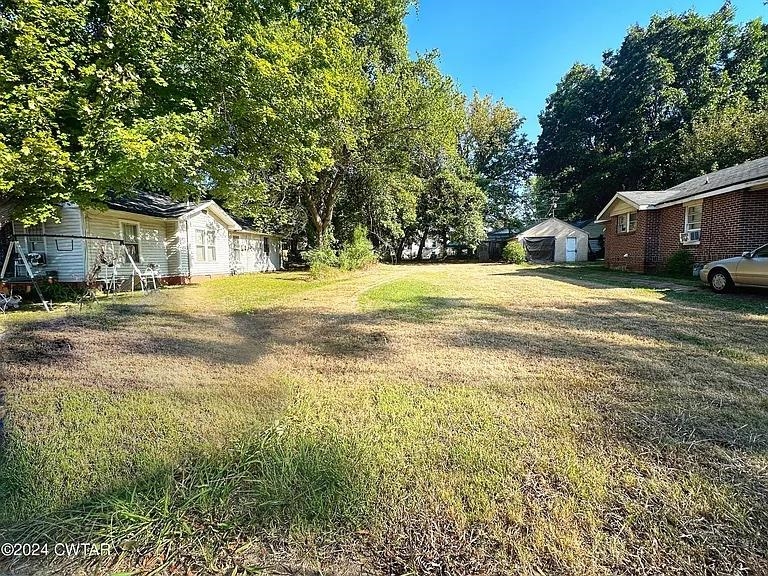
x: 152, y: 239
x: 63, y: 256
x: 253, y: 257
x: 176, y: 248
x: 208, y: 223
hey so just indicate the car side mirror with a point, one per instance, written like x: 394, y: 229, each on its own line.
x: 747, y: 254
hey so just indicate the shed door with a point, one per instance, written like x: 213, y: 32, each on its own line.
x: 570, y: 249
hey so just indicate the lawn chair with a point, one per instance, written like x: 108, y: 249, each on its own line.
x: 9, y: 301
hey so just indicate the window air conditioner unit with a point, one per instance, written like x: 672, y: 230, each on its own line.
x: 690, y: 237
x: 36, y: 259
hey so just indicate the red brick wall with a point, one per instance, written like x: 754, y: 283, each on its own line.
x: 633, y: 244
x: 730, y: 224
x: 753, y: 229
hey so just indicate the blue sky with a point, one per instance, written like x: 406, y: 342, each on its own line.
x: 519, y: 49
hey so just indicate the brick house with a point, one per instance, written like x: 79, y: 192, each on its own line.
x: 714, y: 216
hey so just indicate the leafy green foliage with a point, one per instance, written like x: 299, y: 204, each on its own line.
x: 683, y: 96
x: 500, y: 155
x: 513, y: 252
x: 680, y: 264
x: 322, y: 260
x: 359, y: 252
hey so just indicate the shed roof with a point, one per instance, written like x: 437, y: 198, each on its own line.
x: 556, y: 222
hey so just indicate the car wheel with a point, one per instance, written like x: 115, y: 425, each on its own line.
x: 720, y: 280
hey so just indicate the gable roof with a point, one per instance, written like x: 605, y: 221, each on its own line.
x: 163, y: 206
x: 739, y: 177
x: 556, y: 221
x: 151, y: 204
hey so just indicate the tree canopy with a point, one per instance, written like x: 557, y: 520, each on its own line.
x: 300, y: 115
x: 682, y: 96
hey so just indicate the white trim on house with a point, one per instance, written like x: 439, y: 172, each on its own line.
x: 691, y: 235
x: 606, y: 214
x: 218, y: 211
x: 139, y: 251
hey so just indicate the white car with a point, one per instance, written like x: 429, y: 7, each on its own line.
x: 749, y: 269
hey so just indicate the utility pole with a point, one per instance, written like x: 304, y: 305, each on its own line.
x: 553, y: 207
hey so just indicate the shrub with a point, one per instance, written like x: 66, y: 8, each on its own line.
x: 680, y: 264
x: 359, y: 252
x: 55, y: 292
x: 513, y: 252
x: 321, y: 260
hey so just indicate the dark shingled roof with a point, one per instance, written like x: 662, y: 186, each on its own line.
x: 739, y: 174
x: 151, y: 204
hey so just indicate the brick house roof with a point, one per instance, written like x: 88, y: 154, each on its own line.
x: 740, y: 174
x: 733, y: 178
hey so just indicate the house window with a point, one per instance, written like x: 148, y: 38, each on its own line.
x: 130, y: 235
x: 627, y: 223
x: 205, y: 245
x: 693, y: 223
x: 236, y: 249
x: 35, y: 241
x: 266, y: 245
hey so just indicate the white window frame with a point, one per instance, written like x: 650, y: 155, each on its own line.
x: 43, y: 238
x: 692, y: 233
x: 208, y: 245
x: 628, y: 224
x: 121, y: 223
x: 237, y: 248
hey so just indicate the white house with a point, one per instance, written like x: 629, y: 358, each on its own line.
x: 555, y: 241
x: 180, y: 241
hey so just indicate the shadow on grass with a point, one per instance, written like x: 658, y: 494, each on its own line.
x: 688, y: 291
x: 688, y: 397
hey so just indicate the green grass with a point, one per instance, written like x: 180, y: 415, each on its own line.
x: 411, y: 420
x: 406, y: 299
x: 683, y: 290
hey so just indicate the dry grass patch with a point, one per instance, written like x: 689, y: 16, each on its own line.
x: 430, y: 419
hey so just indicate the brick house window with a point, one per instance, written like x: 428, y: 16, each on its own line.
x: 627, y: 223
x: 692, y: 224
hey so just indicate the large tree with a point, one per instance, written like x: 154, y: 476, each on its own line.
x: 500, y: 155
x: 654, y: 114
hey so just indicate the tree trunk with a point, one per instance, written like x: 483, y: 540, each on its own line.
x: 320, y: 203
x: 422, y: 242
x: 399, y: 250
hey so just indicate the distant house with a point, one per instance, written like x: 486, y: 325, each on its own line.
x: 714, y: 216
x: 596, y: 232
x: 432, y: 250
x: 179, y: 241
x: 555, y: 241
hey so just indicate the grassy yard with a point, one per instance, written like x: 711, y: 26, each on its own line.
x: 438, y: 419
